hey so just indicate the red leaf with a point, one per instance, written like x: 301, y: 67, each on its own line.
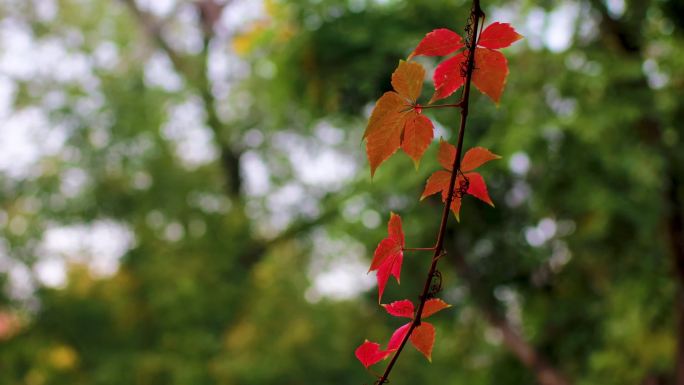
x: 418, y: 132
x: 447, y: 76
x: 498, y: 35
x: 389, y: 254
x: 387, y: 248
x: 402, y: 308
x: 432, y: 306
x: 478, y: 188
x: 475, y: 157
x: 394, y: 227
x: 446, y: 154
x: 369, y: 353
x: 397, y: 337
x: 439, y: 42
x: 392, y: 266
x: 423, y: 338
x: 490, y: 72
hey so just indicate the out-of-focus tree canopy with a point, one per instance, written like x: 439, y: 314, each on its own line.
x: 185, y: 199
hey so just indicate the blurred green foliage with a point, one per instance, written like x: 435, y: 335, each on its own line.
x: 219, y: 288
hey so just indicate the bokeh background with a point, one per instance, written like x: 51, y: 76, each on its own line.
x: 185, y: 198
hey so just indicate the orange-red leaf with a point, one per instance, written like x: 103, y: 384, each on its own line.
x: 418, y: 132
x: 446, y: 154
x: 383, y: 134
x: 437, y: 182
x: 478, y: 188
x: 407, y: 79
x: 403, y: 308
x: 456, y: 207
x: 447, y: 76
x: 397, y: 337
x: 490, y: 72
x: 498, y: 35
x: 432, y: 306
x: 423, y: 338
x: 474, y: 158
x: 439, y: 42
x: 369, y: 353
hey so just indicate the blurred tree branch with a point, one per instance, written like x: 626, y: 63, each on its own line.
x: 210, y: 12
x: 526, y: 353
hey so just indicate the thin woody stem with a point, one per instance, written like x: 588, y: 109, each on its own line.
x: 453, y: 105
x: 419, y: 248
x: 475, y: 15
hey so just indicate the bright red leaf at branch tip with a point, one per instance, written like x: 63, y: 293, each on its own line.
x: 490, y: 69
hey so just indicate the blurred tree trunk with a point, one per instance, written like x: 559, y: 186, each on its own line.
x: 623, y: 34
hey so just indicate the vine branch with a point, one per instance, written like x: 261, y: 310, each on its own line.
x: 475, y: 15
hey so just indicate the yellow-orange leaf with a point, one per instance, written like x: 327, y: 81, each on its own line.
x: 407, y: 79
x: 383, y: 134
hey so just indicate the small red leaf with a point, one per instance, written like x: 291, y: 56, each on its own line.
x: 392, y: 266
x: 387, y: 248
x: 432, y: 306
x: 389, y: 254
x: 369, y: 353
x: 447, y: 76
x: 418, y: 132
x: 423, y: 338
x: 439, y: 42
x: 478, y: 188
x: 476, y: 157
x: 498, y: 35
x: 446, y: 154
x: 397, y: 337
x: 491, y: 69
x: 394, y: 228
x: 402, y: 308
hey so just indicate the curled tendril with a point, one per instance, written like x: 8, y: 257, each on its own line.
x: 463, y: 186
x: 469, y: 44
